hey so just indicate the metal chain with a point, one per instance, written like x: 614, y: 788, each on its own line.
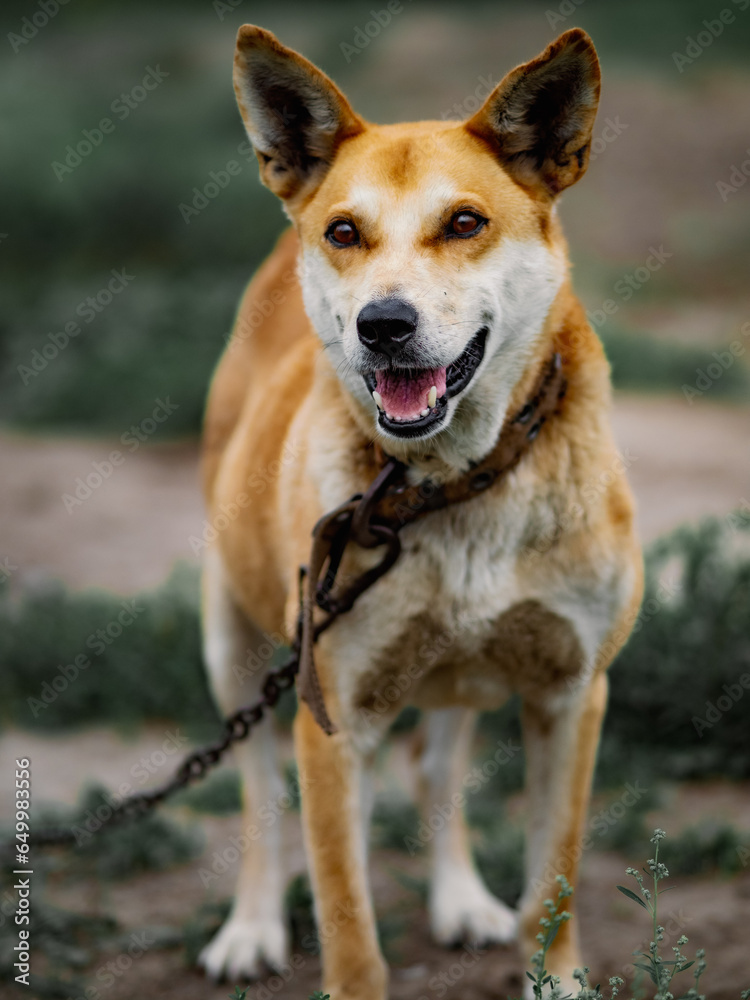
x: 235, y: 728
x: 238, y: 726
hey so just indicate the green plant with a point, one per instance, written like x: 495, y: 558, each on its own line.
x: 551, y: 924
x: 499, y: 857
x: 242, y: 994
x: 298, y: 906
x: 708, y: 847
x: 694, y: 612
x: 154, y: 843
x: 395, y: 822
x: 662, y: 971
x: 218, y: 794
x: 646, y: 363
x: 65, y: 943
x: 57, y: 672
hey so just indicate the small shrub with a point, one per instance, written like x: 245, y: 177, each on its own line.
x: 662, y: 971
x: 218, y: 794
x: 684, y: 652
x: 500, y: 862
x: 395, y: 822
x: 64, y: 941
x: 708, y: 847
x: 121, y: 851
x: 298, y: 906
x: 643, y: 362
x: 152, y: 670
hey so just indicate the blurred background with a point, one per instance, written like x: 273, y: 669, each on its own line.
x: 125, y: 244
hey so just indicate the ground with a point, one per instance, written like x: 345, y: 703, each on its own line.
x: 711, y: 910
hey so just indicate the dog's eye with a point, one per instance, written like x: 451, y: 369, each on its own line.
x: 465, y: 224
x: 343, y: 234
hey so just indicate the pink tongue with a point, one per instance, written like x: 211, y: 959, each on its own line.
x: 405, y: 394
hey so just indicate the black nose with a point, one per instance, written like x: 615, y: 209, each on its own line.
x: 386, y: 325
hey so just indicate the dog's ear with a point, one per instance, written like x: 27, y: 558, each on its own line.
x: 538, y: 120
x: 294, y: 115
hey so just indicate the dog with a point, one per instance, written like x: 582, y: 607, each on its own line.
x: 408, y: 312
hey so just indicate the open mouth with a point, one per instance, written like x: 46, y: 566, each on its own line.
x: 413, y: 400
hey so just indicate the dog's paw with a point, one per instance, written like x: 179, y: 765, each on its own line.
x: 464, y: 910
x: 246, y: 949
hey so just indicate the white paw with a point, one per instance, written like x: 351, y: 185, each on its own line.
x: 245, y: 949
x: 462, y: 909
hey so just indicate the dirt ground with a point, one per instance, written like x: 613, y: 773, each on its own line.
x: 710, y: 910
x: 685, y: 462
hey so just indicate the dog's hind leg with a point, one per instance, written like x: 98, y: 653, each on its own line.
x: 254, y: 934
x: 461, y: 907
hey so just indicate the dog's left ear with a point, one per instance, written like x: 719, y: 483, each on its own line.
x: 294, y: 114
x: 538, y: 120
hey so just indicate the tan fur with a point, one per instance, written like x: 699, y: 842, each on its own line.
x: 528, y: 595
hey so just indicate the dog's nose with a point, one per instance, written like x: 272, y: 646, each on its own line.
x: 386, y: 325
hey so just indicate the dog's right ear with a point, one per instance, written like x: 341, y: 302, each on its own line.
x: 538, y: 120
x: 295, y: 116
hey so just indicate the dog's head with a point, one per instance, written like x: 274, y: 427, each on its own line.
x: 431, y: 252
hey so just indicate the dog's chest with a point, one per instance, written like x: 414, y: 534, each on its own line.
x: 452, y: 624
x: 459, y: 564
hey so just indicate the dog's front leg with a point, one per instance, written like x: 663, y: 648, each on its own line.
x: 335, y: 816
x: 561, y: 740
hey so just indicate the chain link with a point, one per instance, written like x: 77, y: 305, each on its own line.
x: 194, y: 767
x: 235, y: 728
x: 241, y: 723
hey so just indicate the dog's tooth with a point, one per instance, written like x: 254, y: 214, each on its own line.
x: 378, y: 400
x: 432, y: 398
x: 425, y: 411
